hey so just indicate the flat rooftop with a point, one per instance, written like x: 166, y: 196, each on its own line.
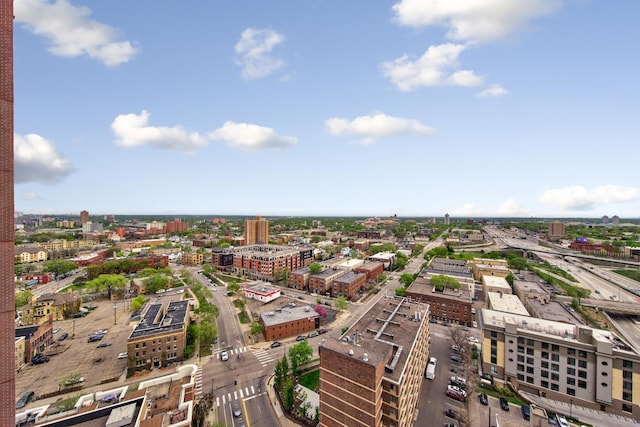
x: 349, y: 277
x: 507, y: 303
x: 288, y: 313
x: 260, y: 287
x: 422, y: 286
x: 495, y: 282
x: 386, y: 332
x: 155, y: 320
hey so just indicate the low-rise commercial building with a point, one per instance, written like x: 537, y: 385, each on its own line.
x: 321, y: 283
x: 299, y: 279
x: 507, y: 303
x: 349, y: 285
x: 57, y: 306
x: 289, y: 321
x: 575, y: 364
x: 372, y: 374
x: 489, y: 267
x: 495, y: 284
x: 37, y: 338
x: 192, y: 259
x: 261, y: 291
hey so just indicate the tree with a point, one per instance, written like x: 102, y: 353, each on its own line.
x: 289, y: 395
x: 510, y: 279
x: 155, y: 283
x: 111, y: 283
x: 406, y: 279
x: 322, y: 312
x: 23, y: 298
x: 256, y: 328
x: 300, y: 354
x: 341, y: 303
x: 315, y: 268
x: 442, y: 281
x: 59, y: 267
x: 401, y: 260
x: 517, y: 263
x: 137, y: 303
x: 233, y: 287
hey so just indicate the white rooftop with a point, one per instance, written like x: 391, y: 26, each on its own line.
x: 507, y: 303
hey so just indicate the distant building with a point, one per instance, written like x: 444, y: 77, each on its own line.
x: 160, y: 337
x: 615, y: 220
x: 555, y: 230
x: 289, y: 321
x: 256, y: 231
x: 262, y: 261
x: 261, y: 291
x: 84, y: 217
x: 192, y: 258
x: 372, y: 375
x: 58, y: 306
x: 176, y: 226
x: 29, y: 254
x: 447, y: 220
x: 489, y: 267
x: 388, y: 259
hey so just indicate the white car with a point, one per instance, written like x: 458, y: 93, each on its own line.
x: 474, y: 324
x: 473, y: 340
x: 122, y: 355
x: 224, y: 356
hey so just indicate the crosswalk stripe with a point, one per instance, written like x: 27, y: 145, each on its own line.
x: 246, y: 390
x: 252, y: 391
x: 241, y: 396
x: 235, y: 396
x: 223, y: 400
x: 217, y: 401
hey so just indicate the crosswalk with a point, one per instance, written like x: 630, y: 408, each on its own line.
x: 233, y: 351
x: 198, y: 381
x: 241, y: 393
x: 263, y: 357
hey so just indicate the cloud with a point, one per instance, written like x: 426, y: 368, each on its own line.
x: 71, y: 33
x: 30, y: 196
x: 251, y: 137
x: 438, y: 66
x: 512, y: 208
x: 132, y: 131
x: 37, y: 160
x: 468, y: 210
x: 578, y: 198
x: 375, y: 126
x: 493, y: 90
x: 254, y: 51
x: 473, y: 21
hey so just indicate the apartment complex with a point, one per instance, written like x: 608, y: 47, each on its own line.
x: 372, y: 374
x: 29, y: 254
x: 555, y: 230
x: 160, y: 337
x: 561, y: 361
x: 321, y: 283
x: 256, y: 231
x: 84, y: 217
x: 453, y: 305
x: 192, y: 258
x: 261, y: 261
x: 37, y: 338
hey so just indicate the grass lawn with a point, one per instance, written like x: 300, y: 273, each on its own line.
x: 311, y: 380
x: 631, y: 274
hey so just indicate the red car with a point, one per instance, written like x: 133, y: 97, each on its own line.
x: 456, y: 395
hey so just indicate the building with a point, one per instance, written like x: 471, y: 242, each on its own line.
x: 452, y: 305
x: 506, y: 303
x: 256, y: 231
x: 192, y: 258
x: 21, y: 349
x: 176, y: 226
x: 495, y: 284
x: 480, y: 270
x: 555, y: 230
x: 84, y: 217
x: 371, y: 269
x: 571, y: 363
x: 447, y: 219
x: 615, y: 220
x: 29, y: 254
x: 37, y: 338
x: 299, y: 279
x: 321, y: 283
x: 388, y: 259
x: 263, y: 261
x: 160, y: 337
x: 261, y: 291
x: 58, y: 306
x: 349, y: 285
x: 288, y: 321
x: 372, y: 374
x: 222, y: 259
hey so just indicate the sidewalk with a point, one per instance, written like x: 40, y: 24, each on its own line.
x: 585, y: 415
x: 282, y: 419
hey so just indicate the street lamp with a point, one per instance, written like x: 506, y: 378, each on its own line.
x: 115, y: 308
x: 571, y: 408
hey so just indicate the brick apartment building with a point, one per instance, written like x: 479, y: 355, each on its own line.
x: 349, y: 284
x: 371, y: 269
x: 192, y: 259
x: 262, y: 261
x: 256, y: 231
x: 299, y: 279
x: 160, y: 337
x: 372, y: 375
x: 453, y: 305
x: 55, y: 306
x: 321, y: 283
x: 289, y: 321
x: 37, y: 338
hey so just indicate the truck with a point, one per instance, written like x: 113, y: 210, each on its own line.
x: 430, y: 372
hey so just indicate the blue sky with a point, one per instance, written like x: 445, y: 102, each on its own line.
x: 317, y: 107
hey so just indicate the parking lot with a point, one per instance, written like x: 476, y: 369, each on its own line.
x: 75, y: 355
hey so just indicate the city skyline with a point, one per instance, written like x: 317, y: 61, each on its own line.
x: 327, y: 109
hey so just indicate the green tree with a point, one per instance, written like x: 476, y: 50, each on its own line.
x: 289, y: 396
x: 23, y: 298
x: 341, y: 303
x: 517, y: 263
x: 59, y: 267
x: 510, y: 279
x: 401, y: 292
x: 137, y: 303
x: 401, y: 260
x: 111, y: 283
x: 256, y: 328
x: 300, y: 354
x: 406, y: 279
x: 278, y: 375
x: 233, y: 287
x: 315, y: 268
x: 442, y: 281
x: 155, y: 283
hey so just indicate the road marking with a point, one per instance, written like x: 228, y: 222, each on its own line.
x: 254, y: 396
x: 252, y: 390
x: 224, y: 402
x: 246, y: 390
x: 217, y: 401
x: 241, y: 396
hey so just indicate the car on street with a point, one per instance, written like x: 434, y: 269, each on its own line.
x: 323, y: 331
x: 39, y: 358
x: 449, y: 425
x: 456, y: 358
x: 95, y: 337
x: 312, y: 334
x: 63, y: 336
x: 56, y: 330
x: 484, y: 400
x: 104, y: 344
x: 26, y: 398
x: 301, y: 338
x: 450, y: 413
x: 122, y: 355
x: 235, y: 407
x: 504, y: 404
x: 474, y: 324
x: 224, y: 356
x: 276, y: 344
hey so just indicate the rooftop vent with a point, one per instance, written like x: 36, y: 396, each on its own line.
x: 350, y: 352
x: 365, y: 357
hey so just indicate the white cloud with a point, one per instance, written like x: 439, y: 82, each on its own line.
x: 71, y: 33
x: 512, y: 208
x: 254, y: 51
x: 473, y: 21
x: 251, y: 137
x: 132, y: 131
x: 377, y: 125
x: 578, y: 198
x: 438, y: 66
x: 468, y: 210
x: 30, y: 196
x: 37, y: 160
x: 495, y: 90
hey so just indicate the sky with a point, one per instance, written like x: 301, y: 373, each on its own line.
x: 483, y: 108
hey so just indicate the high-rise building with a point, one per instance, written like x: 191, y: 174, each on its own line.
x: 555, y: 230
x: 256, y: 231
x: 7, y: 308
x: 446, y: 219
x: 615, y: 220
x: 372, y: 374
x: 84, y: 217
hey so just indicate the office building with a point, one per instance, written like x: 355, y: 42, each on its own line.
x: 256, y: 231
x: 555, y: 230
x: 84, y: 217
x: 567, y: 362
x: 372, y: 374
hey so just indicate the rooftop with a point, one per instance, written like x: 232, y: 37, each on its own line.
x: 423, y: 286
x: 156, y: 320
x: 288, y: 313
x: 260, y: 287
x: 495, y: 282
x: 507, y: 303
x: 349, y: 276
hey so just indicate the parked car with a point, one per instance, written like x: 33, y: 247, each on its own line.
x: 458, y: 382
x: 456, y: 395
x: 74, y: 380
x: 504, y: 404
x: 450, y: 413
x: 276, y: 344
x: 456, y: 358
x: 26, y: 398
x: 56, y: 330
x: 474, y: 324
x: 484, y: 400
x: 301, y: 338
x: 39, y: 358
x: 95, y: 337
x: 449, y: 425
x: 323, y: 331
x: 63, y: 336
x: 313, y: 334
x: 122, y: 355
x: 103, y: 344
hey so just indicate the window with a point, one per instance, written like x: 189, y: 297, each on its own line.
x: 582, y: 353
x: 555, y: 367
x: 582, y: 364
x: 529, y: 369
x: 582, y: 374
x: 544, y: 364
x: 520, y: 377
x: 555, y: 357
x: 545, y: 355
x: 582, y: 384
x: 545, y: 345
x: 530, y: 380
x: 520, y: 367
x: 571, y: 361
x: 555, y: 347
x: 604, y: 374
x: 627, y: 364
x: 544, y: 384
x: 571, y: 371
x: 494, y: 334
x: 510, y: 341
x: 529, y: 342
x: 571, y: 391
x: 544, y: 374
x: 627, y: 385
x: 571, y: 351
x: 571, y: 381
x: 604, y: 384
x: 627, y: 396
x: 627, y: 375
x: 605, y: 363
x: 555, y: 387
x: 520, y: 349
x: 530, y: 360
x: 520, y: 358
x: 530, y: 351
x: 555, y: 377
x: 520, y: 340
